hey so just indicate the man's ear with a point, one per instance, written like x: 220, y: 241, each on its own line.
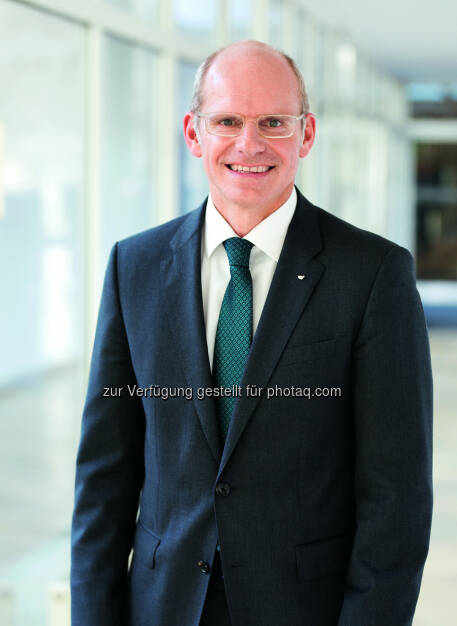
x: 191, y: 135
x: 308, y: 136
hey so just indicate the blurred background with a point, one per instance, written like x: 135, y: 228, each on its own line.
x: 92, y: 95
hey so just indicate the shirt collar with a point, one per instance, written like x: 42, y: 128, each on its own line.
x: 268, y: 235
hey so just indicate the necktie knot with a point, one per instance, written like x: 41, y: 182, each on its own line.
x: 238, y: 251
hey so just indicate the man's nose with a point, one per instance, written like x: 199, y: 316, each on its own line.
x: 250, y: 141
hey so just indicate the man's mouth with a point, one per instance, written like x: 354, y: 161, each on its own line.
x: 245, y: 169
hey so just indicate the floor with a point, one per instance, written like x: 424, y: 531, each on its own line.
x: 39, y: 431
x: 439, y: 584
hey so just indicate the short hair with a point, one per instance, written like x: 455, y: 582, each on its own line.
x: 197, y: 95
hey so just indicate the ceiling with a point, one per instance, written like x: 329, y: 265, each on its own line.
x: 413, y: 40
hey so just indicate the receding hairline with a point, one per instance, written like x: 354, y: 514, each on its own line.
x: 204, y: 67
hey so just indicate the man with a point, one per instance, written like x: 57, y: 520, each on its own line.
x: 294, y: 487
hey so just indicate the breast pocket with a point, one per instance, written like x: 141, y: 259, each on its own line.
x: 308, y: 352
x: 145, y: 546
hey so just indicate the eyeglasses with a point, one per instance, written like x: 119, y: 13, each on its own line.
x: 232, y: 124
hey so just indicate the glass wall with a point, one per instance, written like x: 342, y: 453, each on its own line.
x: 240, y: 19
x: 275, y: 17
x: 41, y: 225
x: 195, y: 18
x: 299, y: 49
x: 42, y: 197
x: 129, y: 135
x: 147, y: 9
x: 193, y: 186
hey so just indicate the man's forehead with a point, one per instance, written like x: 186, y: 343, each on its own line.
x: 245, y: 50
x: 246, y: 60
x: 236, y: 102
x: 266, y: 84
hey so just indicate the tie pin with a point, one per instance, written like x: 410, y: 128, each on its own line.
x: 301, y: 276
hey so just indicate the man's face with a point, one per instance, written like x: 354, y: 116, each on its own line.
x: 251, y: 83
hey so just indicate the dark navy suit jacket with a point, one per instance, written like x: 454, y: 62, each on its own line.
x: 322, y: 506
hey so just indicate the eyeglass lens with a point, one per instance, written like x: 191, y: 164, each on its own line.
x: 269, y: 125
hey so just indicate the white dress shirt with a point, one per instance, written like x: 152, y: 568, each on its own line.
x: 268, y: 238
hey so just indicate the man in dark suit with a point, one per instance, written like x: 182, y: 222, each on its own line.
x: 260, y: 390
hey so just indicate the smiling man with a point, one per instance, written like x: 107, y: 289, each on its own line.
x: 292, y: 485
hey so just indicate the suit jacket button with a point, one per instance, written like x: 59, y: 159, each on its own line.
x: 223, y: 489
x: 204, y: 567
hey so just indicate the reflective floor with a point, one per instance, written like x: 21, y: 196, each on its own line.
x: 436, y: 605
x: 39, y: 432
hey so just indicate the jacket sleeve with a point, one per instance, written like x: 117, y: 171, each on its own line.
x: 109, y: 473
x: 392, y: 400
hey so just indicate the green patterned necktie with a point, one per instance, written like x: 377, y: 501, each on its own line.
x: 234, y: 328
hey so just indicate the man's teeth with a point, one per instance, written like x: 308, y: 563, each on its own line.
x: 241, y: 168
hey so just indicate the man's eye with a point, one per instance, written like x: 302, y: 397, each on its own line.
x: 227, y: 121
x: 271, y: 122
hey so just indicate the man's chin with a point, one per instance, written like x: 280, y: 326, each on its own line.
x: 248, y: 199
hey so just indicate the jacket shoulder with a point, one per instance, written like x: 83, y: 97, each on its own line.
x: 153, y: 239
x: 152, y: 245
x: 351, y: 243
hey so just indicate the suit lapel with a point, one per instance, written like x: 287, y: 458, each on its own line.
x: 181, y: 280
x: 286, y: 301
